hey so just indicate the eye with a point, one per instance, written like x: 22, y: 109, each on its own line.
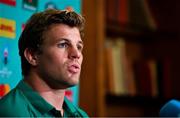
x: 80, y: 47
x: 63, y: 45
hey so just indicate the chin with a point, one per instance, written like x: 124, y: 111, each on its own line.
x: 72, y: 80
x: 74, y: 83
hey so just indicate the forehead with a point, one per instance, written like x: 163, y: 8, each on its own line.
x: 57, y: 32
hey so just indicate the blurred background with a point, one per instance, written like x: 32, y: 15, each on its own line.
x: 131, y: 56
x: 131, y: 61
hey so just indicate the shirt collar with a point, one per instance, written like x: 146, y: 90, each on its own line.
x: 34, y: 98
x: 70, y: 109
x: 40, y: 104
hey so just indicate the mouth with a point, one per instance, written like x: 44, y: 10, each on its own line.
x: 74, y: 68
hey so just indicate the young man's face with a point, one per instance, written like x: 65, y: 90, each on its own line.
x: 59, y: 64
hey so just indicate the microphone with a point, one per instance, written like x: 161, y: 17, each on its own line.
x: 170, y: 109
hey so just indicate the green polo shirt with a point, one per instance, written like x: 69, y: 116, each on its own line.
x: 23, y: 101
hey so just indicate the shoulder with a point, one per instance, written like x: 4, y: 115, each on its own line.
x: 82, y: 112
x: 74, y: 110
x: 13, y: 104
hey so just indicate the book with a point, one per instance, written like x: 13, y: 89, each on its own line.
x: 143, y: 78
x: 111, y: 6
x: 119, y: 68
x: 154, y: 80
x: 114, y: 68
x: 164, y: 78
x: 109, y: 67
x: 123, y: 13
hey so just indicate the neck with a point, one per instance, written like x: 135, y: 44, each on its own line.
x: 53, y: 96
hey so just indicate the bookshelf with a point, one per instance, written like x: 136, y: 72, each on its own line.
x: 133, y: 106
x: 161, y: 44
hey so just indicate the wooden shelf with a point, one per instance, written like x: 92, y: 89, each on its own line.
x: 134, y: 105
x: 139, y: 34
x: 135, y: 100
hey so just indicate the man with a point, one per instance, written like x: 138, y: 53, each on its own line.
x: 50, y: 48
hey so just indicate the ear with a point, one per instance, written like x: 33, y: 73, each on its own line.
x: 31, y: 56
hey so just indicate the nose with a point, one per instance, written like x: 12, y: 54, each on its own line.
x: 74, y: 53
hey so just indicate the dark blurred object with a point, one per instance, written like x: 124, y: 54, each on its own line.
x: 171, y: 109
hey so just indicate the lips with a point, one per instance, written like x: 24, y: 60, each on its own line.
x: 74, y: 68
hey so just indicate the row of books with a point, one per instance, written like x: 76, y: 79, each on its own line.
x: 132, y: 13
x: 135, y: 76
